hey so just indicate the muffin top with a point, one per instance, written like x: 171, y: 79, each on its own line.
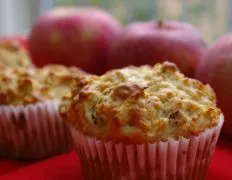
x: 142, y: 104
x: 13, y: 55
x: 20, y: 86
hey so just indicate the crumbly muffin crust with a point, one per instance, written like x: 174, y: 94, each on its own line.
x: 142, y: 104
x: 13, y: 55
x: 20, y: 86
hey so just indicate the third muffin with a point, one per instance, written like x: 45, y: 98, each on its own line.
x: 13, y: 55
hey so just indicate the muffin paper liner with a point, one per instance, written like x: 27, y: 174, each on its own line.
x: 182, y: 159
x: 33, y: 131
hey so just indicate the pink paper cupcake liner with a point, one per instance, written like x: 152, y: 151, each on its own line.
x: 32, y: 131
x: 170, y: 160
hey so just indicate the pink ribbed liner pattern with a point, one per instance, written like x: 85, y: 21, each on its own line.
x: 183, y: 159
x: 32, y: 132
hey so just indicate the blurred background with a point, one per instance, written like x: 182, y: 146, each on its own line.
x: 212, y: 17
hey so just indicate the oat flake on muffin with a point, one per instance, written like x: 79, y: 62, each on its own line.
x: 142, y: 104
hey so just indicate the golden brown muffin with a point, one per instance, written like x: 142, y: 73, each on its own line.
x: 13, y: 55
x: 142, y: 104
x: 20, y: 86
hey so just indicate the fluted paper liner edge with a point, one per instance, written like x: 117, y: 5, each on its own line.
x: 32, y: 131
x: 169, y: 160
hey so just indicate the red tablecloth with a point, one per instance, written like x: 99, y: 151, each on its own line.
x: 67, y: 167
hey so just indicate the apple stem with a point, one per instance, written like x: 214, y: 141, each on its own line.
x: 160, y: 23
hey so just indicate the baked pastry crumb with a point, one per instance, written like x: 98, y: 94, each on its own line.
x: 141, y: 104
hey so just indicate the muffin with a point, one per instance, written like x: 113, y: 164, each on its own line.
x: 30, y: 123
x: 13, y: 55
x: 143, y: 123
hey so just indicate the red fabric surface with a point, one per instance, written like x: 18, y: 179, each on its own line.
x: 68, y: 167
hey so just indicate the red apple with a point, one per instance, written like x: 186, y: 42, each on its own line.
x: 216, y: 70
x: 73, y: 36
x: 158, y: 41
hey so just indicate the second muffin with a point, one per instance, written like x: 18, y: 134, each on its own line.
x: 30, y: 124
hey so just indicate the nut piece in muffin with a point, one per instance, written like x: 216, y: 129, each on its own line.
x: 20, y: 86
x: 13, y: 55
x: 142, y: 104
